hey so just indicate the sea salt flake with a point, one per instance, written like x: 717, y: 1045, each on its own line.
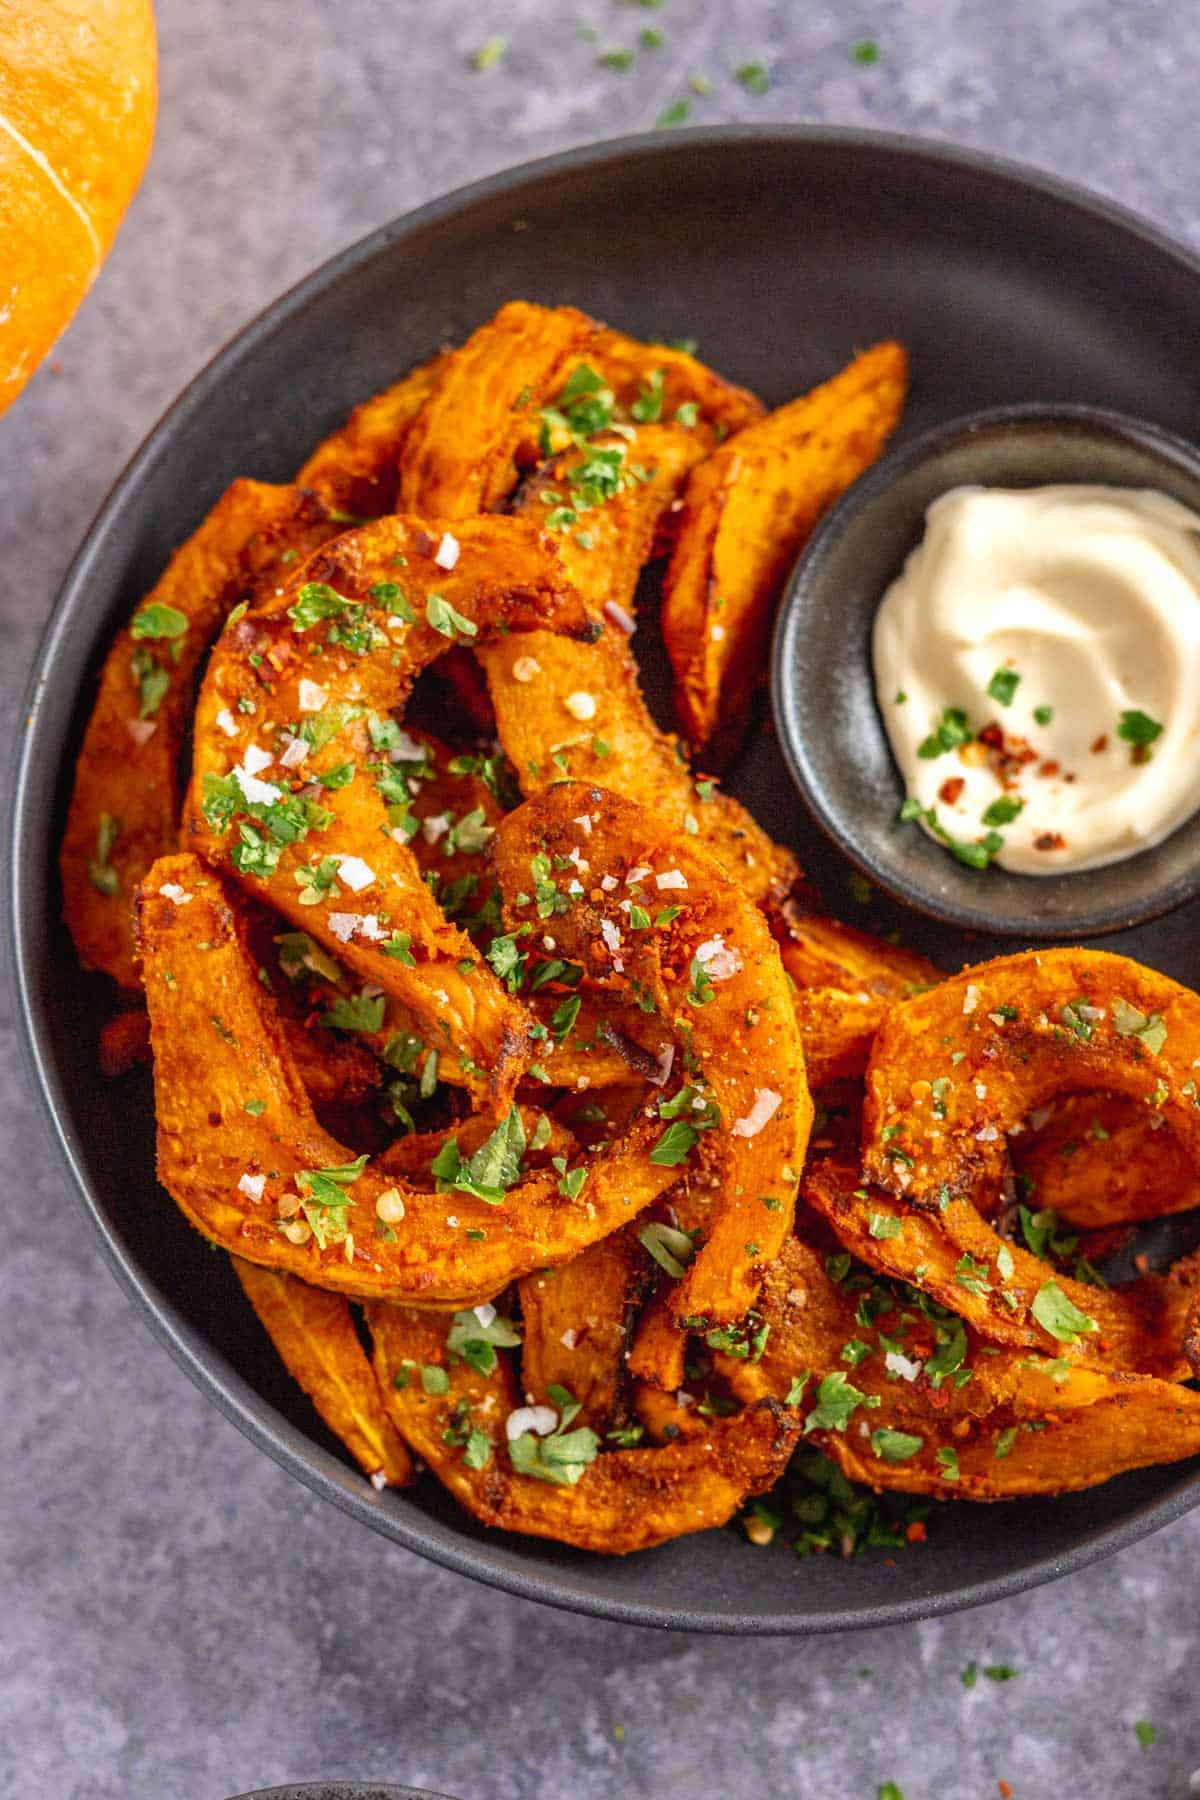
x: 766, y: 1104
x: 356, y: 874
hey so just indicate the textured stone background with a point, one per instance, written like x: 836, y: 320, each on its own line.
x: 179, y: 1617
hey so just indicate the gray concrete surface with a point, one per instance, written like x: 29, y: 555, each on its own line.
x: 177, y: 1617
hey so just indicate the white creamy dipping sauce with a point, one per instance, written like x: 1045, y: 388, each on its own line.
x: 1037, y: 666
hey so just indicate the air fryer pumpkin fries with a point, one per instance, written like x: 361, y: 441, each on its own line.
x: 480, y: 1022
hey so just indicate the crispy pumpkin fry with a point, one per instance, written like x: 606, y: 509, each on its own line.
x: 314, y: 1334
x: 1022, y: 1424
x: 700, y: 952
x: 356, y: 470
x: 954, y: 1255
x: 658, y: 379
x: 303, y: 687
x: 845, y: 981
x: 748, y: 511
x: 242, y: 1155
x: 460, y: 454
x: 618, y: 1502
x: 605, y: 542
x: 1103, y: 1159
x: 659, y: 1348
x: 837, y: 1030
x: 1005, y: 1038
x: 580, y: 711
x: 125, y: 805
x: 667, y: 1417
x: 821, y: 952
x: 575, y: 1324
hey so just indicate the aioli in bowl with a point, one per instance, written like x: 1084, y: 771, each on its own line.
x: 1037, y: 668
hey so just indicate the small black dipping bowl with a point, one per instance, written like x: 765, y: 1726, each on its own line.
x: 823, y: 688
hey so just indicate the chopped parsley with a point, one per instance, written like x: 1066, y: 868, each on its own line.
x: 672, y: 1250
x: 562, y: 1456
x: 1003, y: 810
x: 157, y: 620
x: 359, y: 1013
x: 445, y: 619
x: 315, y: 601
x: 895, y: 1446
x: 476, y: 1342
x: 1003, y: 686
x: 948, y: 1460
x: 1149, y: 1029
x: 837, y: 1402
x: 101, y: 874
x: 489, y: 54
x: 152, y: 681
x: 1138, y: 728
x: 493, y: 1168
x: 675, y: 1144
x: 1060, y: 1316
x: 951, y: 731
x: 754, y: 77
x: 677, y: 113
x: 326, y: 1204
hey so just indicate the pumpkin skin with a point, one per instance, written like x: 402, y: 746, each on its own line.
x: 78, y: 95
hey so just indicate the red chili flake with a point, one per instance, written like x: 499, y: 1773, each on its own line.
x: 1006, y: 1792
x: 1050, y: 840
x: 1140, y: 1262
x: 950, y: 789
x: 1100, y: 744
x: 993, y: 736
x: 916, y: 1532
x: 1049, y: 768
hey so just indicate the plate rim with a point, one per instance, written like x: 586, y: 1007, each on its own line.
x: 203, y: 1362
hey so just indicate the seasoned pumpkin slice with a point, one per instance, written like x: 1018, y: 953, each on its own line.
x: 356, y: 470
x: 748, y: 511
x: 124, y: 809
x: 242, y: 1155
x: 1104, y: 1159
x: 903, y: 1418
x: 956, y: 1070
x: 604, y: 501
x: 649, y: 920
x: 313, y: 1331
x: 460, y: 455
x: 1010, y: 1297
x: 577, y: 709
x: 575, y: 1325
x: 455, y: 1419
x: 298, y: 786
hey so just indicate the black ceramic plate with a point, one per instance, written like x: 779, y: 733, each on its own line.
x: 781, y: 251
x: 341, y: 1790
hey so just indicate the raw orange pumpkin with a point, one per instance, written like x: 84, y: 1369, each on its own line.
x: 78, y: 90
